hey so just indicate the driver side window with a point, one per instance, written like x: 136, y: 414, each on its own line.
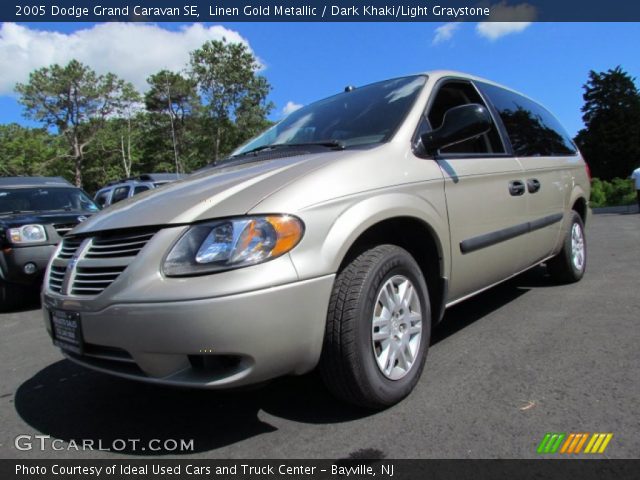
x: 454, y: 94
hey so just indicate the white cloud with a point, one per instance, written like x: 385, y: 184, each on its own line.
x: 133, y: 51
x: 291, y: 107
x: 445, y: 32
x: 507, y: 20
x: 495, y: 30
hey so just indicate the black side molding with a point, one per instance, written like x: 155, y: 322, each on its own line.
x: 491, y: 238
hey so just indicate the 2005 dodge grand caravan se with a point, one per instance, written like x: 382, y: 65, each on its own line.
x: 335, y: 239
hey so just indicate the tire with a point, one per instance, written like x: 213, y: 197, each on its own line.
x: 355, y: 366
x: 8, y: 297
x: 570, y: 264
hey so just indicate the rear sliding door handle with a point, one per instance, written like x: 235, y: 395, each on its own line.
x: 516, y: 188
x: 533, y: 185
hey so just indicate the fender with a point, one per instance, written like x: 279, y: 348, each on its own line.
x: 576, y: 193
x: 360, y: 214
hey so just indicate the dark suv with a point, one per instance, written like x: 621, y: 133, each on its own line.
x: 35, y: 212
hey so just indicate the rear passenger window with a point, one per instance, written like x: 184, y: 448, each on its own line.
x: 140, y: 189
x: 119, y: 194
x: 533, y: 130
x: 454, y: 94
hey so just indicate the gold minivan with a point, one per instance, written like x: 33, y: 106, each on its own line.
x: 334, y: 240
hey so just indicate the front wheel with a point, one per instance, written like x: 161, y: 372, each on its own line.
x: 570, y: 264
x: 378, y: 328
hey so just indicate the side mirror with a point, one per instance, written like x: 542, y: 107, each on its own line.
x: 459, y: 124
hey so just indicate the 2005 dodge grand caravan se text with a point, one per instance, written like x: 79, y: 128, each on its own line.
x: 334, y: 239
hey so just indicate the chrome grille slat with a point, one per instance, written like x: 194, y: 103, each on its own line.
x: 62, y: 228
x: 56, y: 278
x: 86, y: 291
x: 98, y: 274
x: 97, y: 261
x: 113, y: 253
x: 69, y: 247
x: 92, y: 282
x: 120, y: 238
x: 139, y: 243
x: 118, y: 246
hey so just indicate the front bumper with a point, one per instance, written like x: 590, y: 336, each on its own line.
x: 221, y: 342
x: 13, y: 260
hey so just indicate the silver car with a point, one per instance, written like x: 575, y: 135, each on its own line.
x: 334, y: 240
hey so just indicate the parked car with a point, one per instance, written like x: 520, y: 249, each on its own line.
x: 119, y: 190
x: 335, y: 239
x: 35, y: 213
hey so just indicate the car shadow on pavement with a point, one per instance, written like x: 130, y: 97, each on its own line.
x: 70, y: 402
x: 464, y: 314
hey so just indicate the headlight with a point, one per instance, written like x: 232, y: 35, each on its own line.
x: 233, y: 243
x: 27, y: 234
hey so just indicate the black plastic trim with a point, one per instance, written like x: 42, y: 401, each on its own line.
x: 492, y: 238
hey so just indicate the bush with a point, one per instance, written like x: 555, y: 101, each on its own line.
x: 619, y: 191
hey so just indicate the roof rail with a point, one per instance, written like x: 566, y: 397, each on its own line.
x: 147, y: 177
x: 34, y: 182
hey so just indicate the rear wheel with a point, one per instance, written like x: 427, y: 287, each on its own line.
x: 570, y: 264
x: 378, y: 328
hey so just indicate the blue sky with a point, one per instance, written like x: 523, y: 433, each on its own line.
x: 307, y: 61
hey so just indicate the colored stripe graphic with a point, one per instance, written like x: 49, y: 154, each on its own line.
x: 584, y: 439
x: 551, y: 442
x: 598, y: 443
x: 572, y: 443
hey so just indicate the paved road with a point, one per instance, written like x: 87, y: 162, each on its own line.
x: 520, y: 360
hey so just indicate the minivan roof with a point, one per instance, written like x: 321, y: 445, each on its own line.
x: 34, y: 182
x: 438, y: 74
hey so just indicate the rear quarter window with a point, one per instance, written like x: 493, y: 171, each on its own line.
x: 532, y: 129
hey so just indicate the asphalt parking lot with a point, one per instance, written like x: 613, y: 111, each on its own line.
x: 504, y: 368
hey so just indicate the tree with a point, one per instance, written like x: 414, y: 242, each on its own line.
x: 175, y: 98
x: 128, y: 112
x: 29, y: 151
x: 232, y: 92
x: 74, y: 100
x: 610, y: 141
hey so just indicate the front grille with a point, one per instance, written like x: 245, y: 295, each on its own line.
x: 118, y: 246
x: 93, y: 280
x: 69, y: 247
x: 56, y: 278
x: 86, y: 266
x: 63, y: 228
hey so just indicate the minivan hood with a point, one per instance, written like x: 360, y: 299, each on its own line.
x: 213, y: 193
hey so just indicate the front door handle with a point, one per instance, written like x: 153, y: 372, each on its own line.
x: 516, y: 188
x: 533, y: 185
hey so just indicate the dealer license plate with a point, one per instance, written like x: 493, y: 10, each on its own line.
x: 67, y: 330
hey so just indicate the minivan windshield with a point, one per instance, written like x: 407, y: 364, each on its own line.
x: 365, y: 115
x: 44, y: 199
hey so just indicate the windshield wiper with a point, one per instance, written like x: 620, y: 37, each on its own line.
x: 253, y: 150
x: 65, y: 209
x: 324, y: 143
